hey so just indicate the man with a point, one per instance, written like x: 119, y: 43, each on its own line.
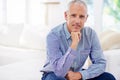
x: 69, y: 45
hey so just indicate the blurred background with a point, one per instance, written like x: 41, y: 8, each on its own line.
x: 24, y: 25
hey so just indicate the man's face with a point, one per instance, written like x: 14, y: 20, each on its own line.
x: 75, y: 17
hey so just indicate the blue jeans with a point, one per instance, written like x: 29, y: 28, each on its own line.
x: 52, y: 76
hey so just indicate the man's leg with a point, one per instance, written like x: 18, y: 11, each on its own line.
x: 51, y: 76
x: 104, y: 76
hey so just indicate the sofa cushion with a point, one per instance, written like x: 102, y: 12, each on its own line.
x: 113, y: 62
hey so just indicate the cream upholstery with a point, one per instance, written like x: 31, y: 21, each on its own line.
x: 24, y: 64
x: 110, y: 40
x: 21, y: 64
x: 113, y: 62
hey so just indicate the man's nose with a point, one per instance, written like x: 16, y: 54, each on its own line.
x: 77, y: 20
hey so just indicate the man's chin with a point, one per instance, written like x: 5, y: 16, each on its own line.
x: 76, y: 30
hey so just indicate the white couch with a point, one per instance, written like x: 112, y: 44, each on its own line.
x: 113, y: 62
x: 22, y: 51
x: 25, y: 61
x: 110, y: 42
x: 21, y: 64
x: 25, y: 64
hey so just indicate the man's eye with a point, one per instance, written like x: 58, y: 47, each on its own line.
x: 81, y: 16
x: 73, y: 15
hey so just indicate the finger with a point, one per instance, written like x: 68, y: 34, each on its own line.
x: 79, y: 35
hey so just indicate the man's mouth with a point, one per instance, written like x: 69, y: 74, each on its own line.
x: 76, y: 26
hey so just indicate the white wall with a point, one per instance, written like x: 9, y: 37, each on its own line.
x: 29, y: 31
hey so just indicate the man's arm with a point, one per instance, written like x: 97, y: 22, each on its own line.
x: 61, y: 63
x: 76, y: 36
x: 97, y: 58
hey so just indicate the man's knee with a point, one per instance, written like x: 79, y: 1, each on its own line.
x: 104, y: 76
x: 51, y: 76
x: 107, y: 76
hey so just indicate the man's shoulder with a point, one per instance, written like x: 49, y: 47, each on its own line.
x: 87, y: 28
x: 57, y: 30
x: 88, y: 31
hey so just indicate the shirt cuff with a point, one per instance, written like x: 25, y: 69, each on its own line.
x: 84, y: 75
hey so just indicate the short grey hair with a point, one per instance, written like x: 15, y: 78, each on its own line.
x: 76, y: 1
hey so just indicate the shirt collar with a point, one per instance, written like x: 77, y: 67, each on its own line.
x: 67, y: 34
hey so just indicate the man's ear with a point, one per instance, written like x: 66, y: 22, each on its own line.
x: 86, y: 18
x: 65, y: 15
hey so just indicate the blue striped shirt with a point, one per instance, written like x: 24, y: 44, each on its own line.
x: 61, y: 57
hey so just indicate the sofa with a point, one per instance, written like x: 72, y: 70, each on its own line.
x: 110, y: 42
x: 21, y: 64
x: 23, y: 53
x: 113, y: 64
x: 25, y: 64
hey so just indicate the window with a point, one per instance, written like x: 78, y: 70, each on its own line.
x: 90, y: 21
x: 111, y: 15
x: 22, y: 12
x: 15, y: 11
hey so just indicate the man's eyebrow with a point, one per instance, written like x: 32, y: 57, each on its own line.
x: 82, y: 15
